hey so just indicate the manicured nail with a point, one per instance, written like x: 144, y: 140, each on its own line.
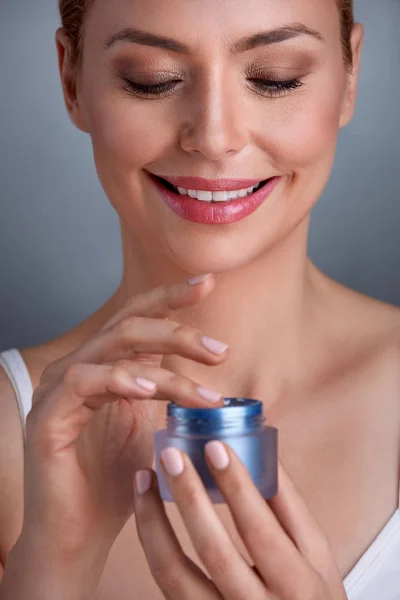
x: 172, y: 461
x: 209, y: 395
x: 214, y: 345
x: 217, y: 454
x: 198, y: 279
x: 143, y: 481
x: 146, y: 384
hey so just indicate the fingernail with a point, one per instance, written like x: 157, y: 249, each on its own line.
x: 143, y: 481
x: 146, y: 384
x: 217, y: 454
x: 172, y: 461
x: 209, y: 395
x: 214, y: 345
x: 198, y: 279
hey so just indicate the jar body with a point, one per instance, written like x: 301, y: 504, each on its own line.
x: 258, y: 450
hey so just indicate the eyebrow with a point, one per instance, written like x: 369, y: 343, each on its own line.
x: 263, y: 38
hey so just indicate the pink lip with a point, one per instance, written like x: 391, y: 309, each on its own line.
x: 218, y: 213
x: 211, y: 185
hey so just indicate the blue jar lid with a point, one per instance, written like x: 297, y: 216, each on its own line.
x: 239, y: 414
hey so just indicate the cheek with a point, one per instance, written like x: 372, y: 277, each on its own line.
x: 302, y: 130
x: 129, y: 133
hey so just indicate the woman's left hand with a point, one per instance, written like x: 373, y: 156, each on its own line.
x: 292, y: 557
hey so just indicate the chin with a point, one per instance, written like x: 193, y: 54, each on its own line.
x: 211, y: 256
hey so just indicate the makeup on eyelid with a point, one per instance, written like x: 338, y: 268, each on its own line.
x: 140, y: 63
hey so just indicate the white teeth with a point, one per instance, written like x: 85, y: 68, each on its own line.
x: 206, y: 196
x: 221, y: 196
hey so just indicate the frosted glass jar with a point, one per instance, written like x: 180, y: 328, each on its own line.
x: 240, y: 423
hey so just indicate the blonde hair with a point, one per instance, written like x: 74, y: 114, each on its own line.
x: 73, y: 13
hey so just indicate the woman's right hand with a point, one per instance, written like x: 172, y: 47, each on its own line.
x: 91, y: 425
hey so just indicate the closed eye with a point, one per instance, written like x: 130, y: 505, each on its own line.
x: 267, y: 87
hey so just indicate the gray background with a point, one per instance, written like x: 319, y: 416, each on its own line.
x: 60, y: 251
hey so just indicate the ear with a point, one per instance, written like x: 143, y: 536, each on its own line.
x: 69, y: 80
x: 352, y: 78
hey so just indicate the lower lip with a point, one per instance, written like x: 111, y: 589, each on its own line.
x: 220, y: 213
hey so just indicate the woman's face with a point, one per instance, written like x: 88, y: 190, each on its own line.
x: 216, y: 121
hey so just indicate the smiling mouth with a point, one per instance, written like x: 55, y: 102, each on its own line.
x: 175, y: 190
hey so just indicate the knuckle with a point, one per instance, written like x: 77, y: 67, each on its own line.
x: 319, y: 548
x: 49, y: 372
x: 125, y: 328
x: 180, y: 384
x: 324, y: 548
x: 222, y: 563
x: 310, y: 588
x: 123, y: 363
x: 180, y: 331
x: 40, y: 392
x: 216, y: 559
x: 168, y: 576
x: 145, y: 519
x: 189, y: 497
x: 116, y: 374
x: 72, y: 375
x: 236, y: 488
x: 255, y: 532
x: 45, y: 375
x: 43, y: 436
x: 54, y: 370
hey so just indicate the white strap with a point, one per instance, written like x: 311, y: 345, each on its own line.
x: 16, y: 369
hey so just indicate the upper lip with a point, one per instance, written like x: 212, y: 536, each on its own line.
x: 211, y: 185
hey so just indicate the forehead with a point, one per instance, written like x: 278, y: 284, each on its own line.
x: 202, y: 20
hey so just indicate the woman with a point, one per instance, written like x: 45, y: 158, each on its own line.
x: 185, y: 102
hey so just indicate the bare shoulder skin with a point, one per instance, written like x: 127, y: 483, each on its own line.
x: 11, y: 467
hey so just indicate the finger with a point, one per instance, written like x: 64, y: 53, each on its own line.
x: 278, y: 560
x: 157, y: 302
x: 229, y: 571
x: 84, y: 389
x: 171, y: 386
x: 177, y: 576
x: 161, y: 301
x: 137, y: 335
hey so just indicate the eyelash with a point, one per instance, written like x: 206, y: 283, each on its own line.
x: 274, y: 87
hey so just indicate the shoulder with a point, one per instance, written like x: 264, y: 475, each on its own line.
x: 360, y: 334
x: 381, y: 320
x: 365, y: 318
x: 371, y: 328
x: 10, y: 422
x: 12, y: 446
x: 11, y: 467
x: 36, y: 359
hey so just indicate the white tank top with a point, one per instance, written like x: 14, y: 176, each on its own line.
x: 376, y: 576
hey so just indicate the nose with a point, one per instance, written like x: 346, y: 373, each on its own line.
x: 215, y: 121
